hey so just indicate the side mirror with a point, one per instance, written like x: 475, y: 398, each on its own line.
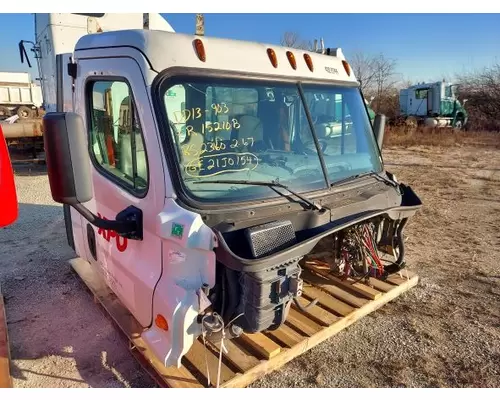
x: 379, y: 129
x: 69, y: 173
x: 67, y: 158
x: 10, y: 211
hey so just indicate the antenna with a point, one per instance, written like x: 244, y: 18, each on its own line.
x: 200, y: 25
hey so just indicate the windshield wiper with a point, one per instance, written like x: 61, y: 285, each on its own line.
x: 268, y: 184
x: 370, y: 173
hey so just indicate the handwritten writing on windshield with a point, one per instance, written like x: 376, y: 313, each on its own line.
x: 195, y: 150
x: 213, y: 127
x: 182, y: 117
x: 220, y: 163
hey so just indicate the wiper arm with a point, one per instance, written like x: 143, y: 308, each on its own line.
x: 268, y: 184
x: 370, y: 173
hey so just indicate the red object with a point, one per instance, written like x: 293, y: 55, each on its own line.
x: 8, y: 203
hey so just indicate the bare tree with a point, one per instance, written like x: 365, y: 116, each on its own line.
x: 482, y: 91
x: 364, y: 70
x: 384, y: 74
x: 294, y: 40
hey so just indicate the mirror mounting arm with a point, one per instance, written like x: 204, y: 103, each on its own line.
x: 128, y: 222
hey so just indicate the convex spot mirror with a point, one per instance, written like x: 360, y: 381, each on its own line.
x: 67, y: 160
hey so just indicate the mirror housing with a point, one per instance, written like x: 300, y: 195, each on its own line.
x: 8, y: 194
x: 67, y: 158
x: 379, y: 129
x: 69, y: 172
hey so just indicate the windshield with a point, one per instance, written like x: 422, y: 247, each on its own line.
x: 236, y: 129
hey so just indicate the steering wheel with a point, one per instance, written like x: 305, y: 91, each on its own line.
x: 322, y: 142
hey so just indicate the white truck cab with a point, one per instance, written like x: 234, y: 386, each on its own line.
x: 199, y: 172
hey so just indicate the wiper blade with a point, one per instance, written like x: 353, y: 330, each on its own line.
x: 370, y: 173
x: 268, y: 184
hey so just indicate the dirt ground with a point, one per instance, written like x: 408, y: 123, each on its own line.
x: 443, y: 333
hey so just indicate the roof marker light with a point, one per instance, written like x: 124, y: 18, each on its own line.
x: 291, y: 59
x: 272, y: 56
x: 309, y: 62
x: 347, y: 67
x: 200, y: 49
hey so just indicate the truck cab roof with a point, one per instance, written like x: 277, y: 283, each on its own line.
x: 165, y: 50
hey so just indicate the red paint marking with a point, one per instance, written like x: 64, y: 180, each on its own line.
x: 121, y: 242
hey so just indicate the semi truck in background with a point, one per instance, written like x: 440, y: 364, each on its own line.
x: 434, y: 104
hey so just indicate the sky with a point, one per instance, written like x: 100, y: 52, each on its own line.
x: 425, y: 47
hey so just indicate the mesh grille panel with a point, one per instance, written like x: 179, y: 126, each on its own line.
x: 271, y: 237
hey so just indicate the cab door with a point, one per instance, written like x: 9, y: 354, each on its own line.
x: 126, y: 167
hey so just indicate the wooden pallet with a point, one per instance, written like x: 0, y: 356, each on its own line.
x: 340, y: 304
x: 5, y: 378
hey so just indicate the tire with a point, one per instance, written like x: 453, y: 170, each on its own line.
x: 25, y: 112
x: 4, y: 112
x: 459, y: 124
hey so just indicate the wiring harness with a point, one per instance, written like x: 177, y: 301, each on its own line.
x: 359, y: 257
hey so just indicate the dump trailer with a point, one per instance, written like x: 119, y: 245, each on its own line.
x: 198, y: 174
x: 21, y: 111
x: 19, y: 95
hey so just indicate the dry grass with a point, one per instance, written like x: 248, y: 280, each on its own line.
x: 405, y: 137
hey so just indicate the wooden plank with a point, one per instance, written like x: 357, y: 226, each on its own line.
x: 380, y: 285
x: 174, y: 377
x: 315, y: 313
x: 321, y: 280
x: 237, y: 356
x: 357, y: 288
x: 300, y: 348
x: 261, y: 344
x: 327, y: 301
x: 370, y: 292
x: 400, y: 277
x: 202, y: 359
x: 5, y: 378
x: 300, y: 322
x: 285, y: 335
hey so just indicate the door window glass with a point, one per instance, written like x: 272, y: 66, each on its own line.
x: 116, y: 140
